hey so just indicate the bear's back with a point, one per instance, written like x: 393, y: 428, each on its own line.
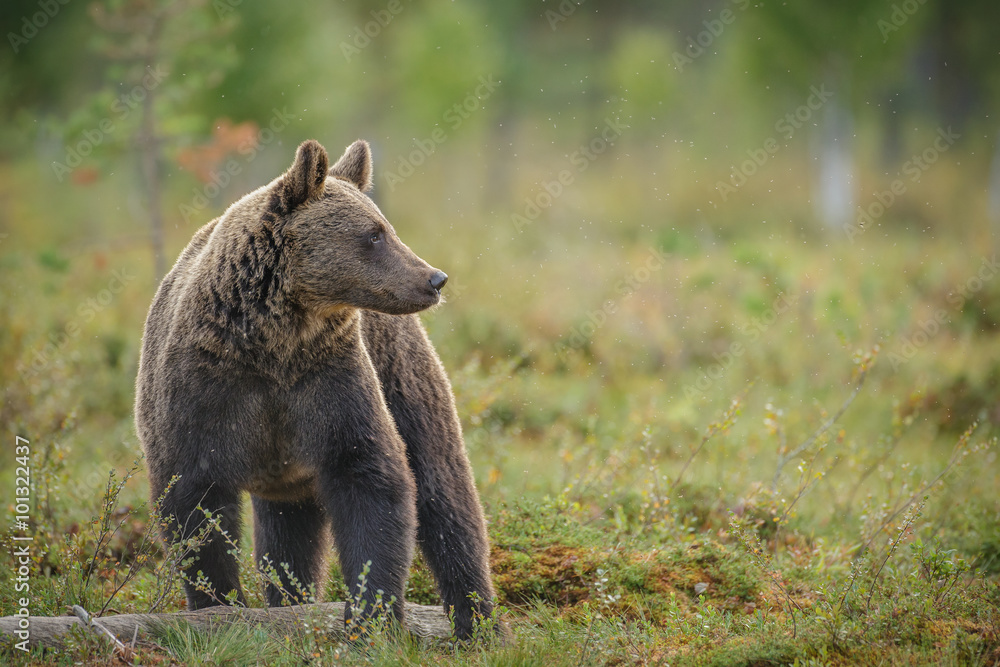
x: 161, y: 322
x: 170, y: 294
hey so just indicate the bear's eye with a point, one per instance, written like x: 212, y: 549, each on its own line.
x: 375, y: 238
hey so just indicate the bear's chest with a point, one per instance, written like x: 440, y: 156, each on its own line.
x: 290, y: 434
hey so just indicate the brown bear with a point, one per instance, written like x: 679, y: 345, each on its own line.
x: 282, y: 357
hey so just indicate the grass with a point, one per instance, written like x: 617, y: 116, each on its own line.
x: 823, y: 493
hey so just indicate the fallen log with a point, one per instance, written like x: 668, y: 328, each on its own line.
x: 51, y: 631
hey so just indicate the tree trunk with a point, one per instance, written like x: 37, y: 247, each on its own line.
x: 149, y: 151
x: 51, y: 632
x: 149, y: 147
x: 834, y: 188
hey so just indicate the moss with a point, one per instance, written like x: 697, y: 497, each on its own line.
x: 557, y: 574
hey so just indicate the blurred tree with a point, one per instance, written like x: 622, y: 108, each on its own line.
x: 158, y: 52
x: 801, y: 46
x: 934, y: 59
x: 639, y: 67
x: 41, y: 64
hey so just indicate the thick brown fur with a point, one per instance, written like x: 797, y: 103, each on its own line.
x: 282, y: 357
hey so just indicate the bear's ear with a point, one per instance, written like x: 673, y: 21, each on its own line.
x: 306, y: 178
x: 355, y: 165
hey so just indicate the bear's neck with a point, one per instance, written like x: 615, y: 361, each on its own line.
x: 243, y: 287
x: 250, y: 308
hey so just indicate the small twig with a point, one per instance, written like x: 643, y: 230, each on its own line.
x: 140, y: 558
x: 824, y: 427
x: 801, y: 492
x: 758, y: 555
x: 108, y: 503
x: 585, y: 485
x: 95, y: 625
x: 956, y: 453
x: 861, y: 552
x: 704, y: 440
x: 873, y: 466
x: 805, y: 487
x: 586, y: 642
x: 713, y: 428
x: 947, y: 588
x: 891, y: 550
x: 855, y: 573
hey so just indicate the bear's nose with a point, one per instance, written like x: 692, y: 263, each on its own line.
x: 438, y: 279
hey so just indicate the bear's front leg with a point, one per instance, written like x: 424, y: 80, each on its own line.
x: 290, y: 534
x: 371, y: 504
x: 214, y: 561
x: 451, y: 526
x: 367, y: 490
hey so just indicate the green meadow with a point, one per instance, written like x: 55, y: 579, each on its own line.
x: 707, y: 428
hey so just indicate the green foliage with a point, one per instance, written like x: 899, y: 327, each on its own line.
x: 437, y: 59
x: 165, y: 50
x: 608, y: 503
x: 639, y: 71
x: 655, y: 495
x: 230, y: 644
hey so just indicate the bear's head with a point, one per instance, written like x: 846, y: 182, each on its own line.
x: 341, y: 251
